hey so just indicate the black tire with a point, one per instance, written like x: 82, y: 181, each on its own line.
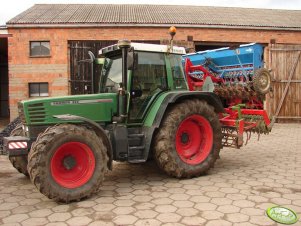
x: 262, y: 81
x: 166, y: 153
x: 19, y: 162
x: 53, y: 144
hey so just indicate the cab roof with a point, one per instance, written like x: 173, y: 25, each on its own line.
x: 147, y: 48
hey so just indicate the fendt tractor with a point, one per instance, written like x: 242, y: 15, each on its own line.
x: 145, y: 107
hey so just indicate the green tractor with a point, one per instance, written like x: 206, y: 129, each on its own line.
x: 142, y: 110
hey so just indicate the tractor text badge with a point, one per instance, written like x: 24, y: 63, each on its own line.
x: 282, y: 215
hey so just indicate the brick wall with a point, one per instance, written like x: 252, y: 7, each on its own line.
x: 54, y: 69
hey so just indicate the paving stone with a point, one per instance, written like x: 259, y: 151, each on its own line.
x: 162, y: 201
x: 199, y: 198
x: 219, y: 223
x: 165, y: 208
x: 168, y: 217
x: 205, y: 206
x: 193, y: 221
x: 125, y: 220
x: 79, y: 212
x: 105, y: 200
x: 101, y: 223
x: 261, y: 220
x: 40, y: 213
x: 35, y: 221
x: 244, y: 224
x: 4, y: 213
x: 183, y: 204
x: 179, y: 197
x: 122, y: 203
x: 228, y: 209
x: 123, y: 210
x: 252, y: 211
x: 237, y: 217
x: 86, y: 204
x: 61, y: 208
x: 107, y: 207
x: 243, y: 203
x: 236, y: 196
x: 145, y: 214
x: 57, y: 217
x: 221, y: 201
x: 142, y: 198
x: 8, y: 206
x: 147, y: 222
x: 15, y: 218
x: 212, y: 215
x: 79, y: 221
x: 281, y: 201
x: 160, y: 194
x: 257, y: 198
x: 145, y: 206
x: 187, y: 212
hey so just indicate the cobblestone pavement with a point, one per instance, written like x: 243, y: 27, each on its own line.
x: 243, y: 184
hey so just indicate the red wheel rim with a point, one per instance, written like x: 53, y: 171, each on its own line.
x: 194, y: 139
x: 72, y: 164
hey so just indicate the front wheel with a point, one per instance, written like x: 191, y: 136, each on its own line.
x: 189, y: 139
x: 19, y: 162
x: 68, y: 162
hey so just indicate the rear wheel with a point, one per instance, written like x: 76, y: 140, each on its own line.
x: 68, y: 162
x: 189, y: 140
x: 19, y: 162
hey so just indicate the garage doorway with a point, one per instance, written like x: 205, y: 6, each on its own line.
x: 4, y: 109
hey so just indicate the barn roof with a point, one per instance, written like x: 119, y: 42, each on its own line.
x: 77, y: 15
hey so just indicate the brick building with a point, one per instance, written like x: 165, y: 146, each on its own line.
x: 49, y: 41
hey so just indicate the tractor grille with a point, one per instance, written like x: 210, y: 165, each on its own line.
x: 36, y: 112
x: 21, y: 112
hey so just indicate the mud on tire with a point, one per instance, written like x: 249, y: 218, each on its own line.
x: 68, y: 162
x: 19, y: 162
x: 180, y: 130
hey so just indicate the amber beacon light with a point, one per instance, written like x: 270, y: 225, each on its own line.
x: 172, y: 31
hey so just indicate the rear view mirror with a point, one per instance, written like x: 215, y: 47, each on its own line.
x: 130, y: 59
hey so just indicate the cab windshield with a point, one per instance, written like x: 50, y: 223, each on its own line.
x: 111, y: 75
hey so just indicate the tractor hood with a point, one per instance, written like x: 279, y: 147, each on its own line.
x: 97, y: 107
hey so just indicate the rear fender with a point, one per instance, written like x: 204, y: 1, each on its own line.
x: 156, y: 114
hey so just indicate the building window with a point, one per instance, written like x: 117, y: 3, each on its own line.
x: 38, y: 89
x: 39, y: 48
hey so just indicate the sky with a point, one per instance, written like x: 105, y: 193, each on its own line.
x: 12, y: 8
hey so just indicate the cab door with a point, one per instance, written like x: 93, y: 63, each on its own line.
x: 148, y: 80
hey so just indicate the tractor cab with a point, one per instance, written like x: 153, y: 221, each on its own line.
x: 149, y: 71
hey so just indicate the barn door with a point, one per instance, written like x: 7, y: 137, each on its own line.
x: 80, y: 65
x: 285, y: 62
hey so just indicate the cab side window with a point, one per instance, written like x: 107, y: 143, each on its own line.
x: 148, y: 80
